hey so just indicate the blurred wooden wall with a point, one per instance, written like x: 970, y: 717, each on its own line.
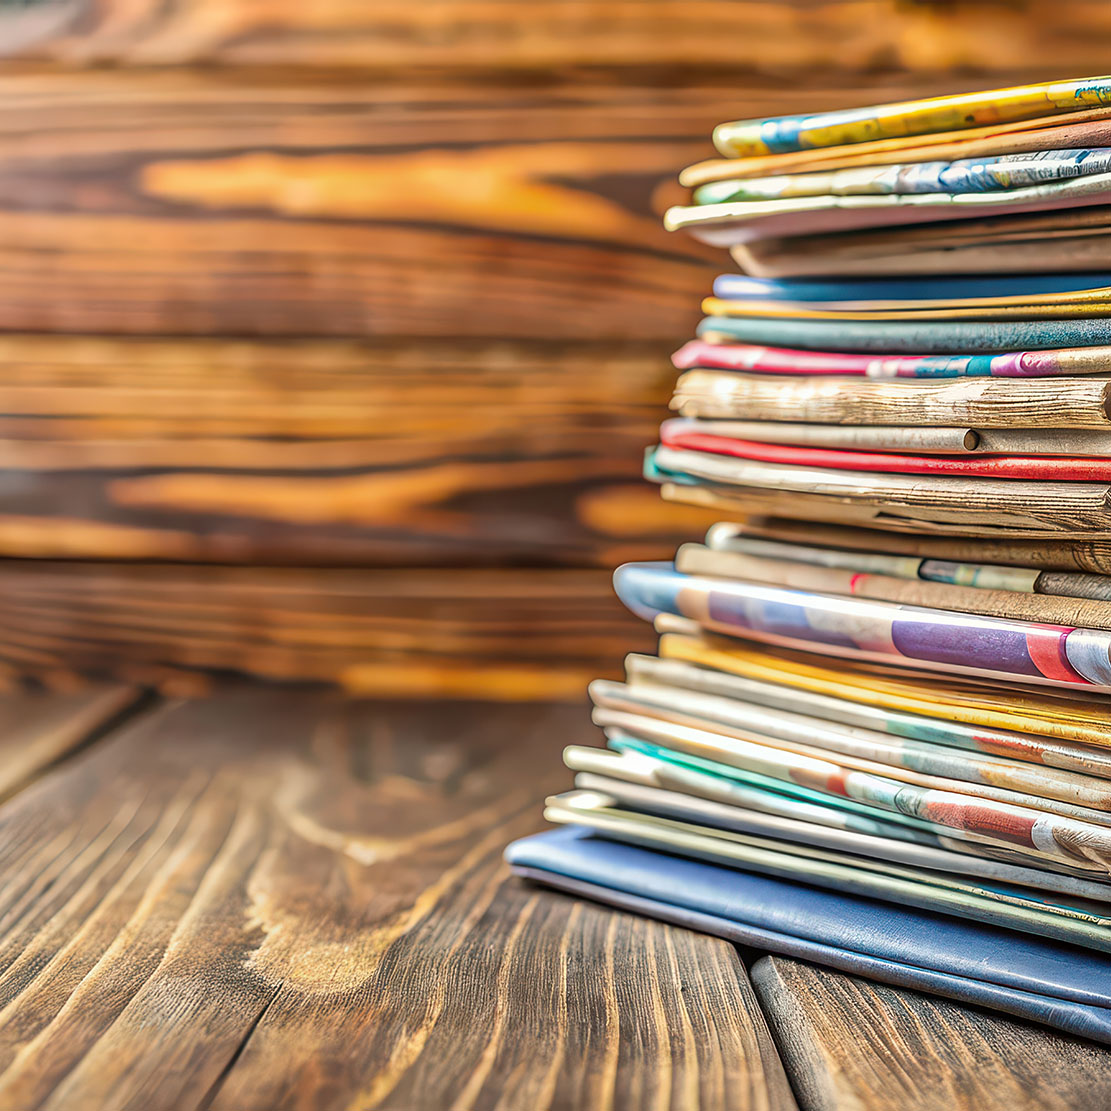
x: 333, y: 330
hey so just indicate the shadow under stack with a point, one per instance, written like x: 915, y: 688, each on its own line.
x: 876, y: 735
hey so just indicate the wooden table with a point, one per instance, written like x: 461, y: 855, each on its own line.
x: 270, y: 899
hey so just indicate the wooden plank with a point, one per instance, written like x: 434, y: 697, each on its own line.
x: 268, y: 901
x: 38, y: 727
x: 192, y: 204
x: 452, y: 633
x: 769, y: 36
x: 333, y: 452
x: 848, y: 1042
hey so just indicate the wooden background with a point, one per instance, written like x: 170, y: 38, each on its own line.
x: 333, y: 332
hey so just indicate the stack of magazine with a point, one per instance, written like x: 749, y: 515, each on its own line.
x: 877, y: 734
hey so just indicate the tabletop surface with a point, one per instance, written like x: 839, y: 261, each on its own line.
x: 271, y: 899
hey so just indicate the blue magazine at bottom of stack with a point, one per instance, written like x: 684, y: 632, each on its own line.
x: 1030, y: 977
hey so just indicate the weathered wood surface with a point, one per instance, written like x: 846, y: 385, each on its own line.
x: 40, y: 728
x: 848, y: 1042
x: 332, y: 452
x: 514, y: 634
x: 764, y: 36
x: 267, y: 900
x: 270, y: 901
x: 214, y: 204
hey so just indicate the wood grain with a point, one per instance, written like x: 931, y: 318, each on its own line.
x: 769, y: 36
x: 212, y: 204
x: 268, y: 901
x: 332, y: 452
x: 39, y: 728
x: 513, y: 635
x: 848, y: 1042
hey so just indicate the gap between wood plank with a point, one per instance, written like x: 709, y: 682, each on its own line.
x: 207, y: 1099
x: 142, y: 702
x: 850, y: 1041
